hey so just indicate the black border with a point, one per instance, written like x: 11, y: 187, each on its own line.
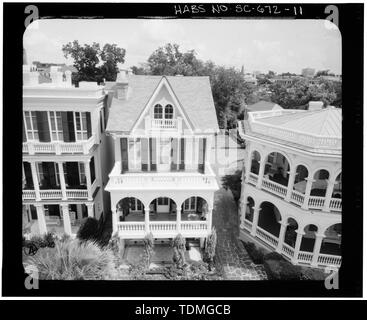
x: 350, y: 283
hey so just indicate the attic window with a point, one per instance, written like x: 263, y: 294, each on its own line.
x: 158, y: 111
x: 168, y: 112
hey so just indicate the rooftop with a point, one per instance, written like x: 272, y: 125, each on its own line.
x: 263, y: 106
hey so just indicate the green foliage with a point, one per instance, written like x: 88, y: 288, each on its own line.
x: 233, y: 182
x: 178, y: 244
x: 74, y: 260
x: 138, y: 271
x: 282, y: 270
x: 256, y: 255
x: 89, y: 230
x: 148, y: 249
x: 210, y: 245
x: 117, y: 246
x: 94, y: 63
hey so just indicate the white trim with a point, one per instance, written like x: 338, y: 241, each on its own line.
x: 148, y: 106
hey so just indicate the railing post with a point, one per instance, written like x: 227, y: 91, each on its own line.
x: 66, y: 218
x: 255, y: 221
x: 178, y: 220
x: 329, y: 193
x: 316, y: 249
x: 283, y: 229
x: 292, y: 175
x: 41, y: 218
x: 147, y: 227
x: 62, y: 180
x: 114, y: 221
x: 31, y: 148
x: 261, y: 173
x: 307, y: 192
x: 57, y: 148
x: 35, y: 181
x: 297, y: 246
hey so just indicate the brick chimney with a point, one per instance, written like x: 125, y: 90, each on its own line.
x: 122, y: 84
x: 30, y: 76
x: 315, y: 105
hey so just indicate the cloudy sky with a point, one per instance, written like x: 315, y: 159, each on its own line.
x: 278, y: 45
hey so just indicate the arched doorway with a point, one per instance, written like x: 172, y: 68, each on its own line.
x: 300, y: 179
x: 308, y: 239
x: 290, y: 233
x: 163, y: 209
x: 194, y: 208
x: 332, y: 241
x: 320, y: 183
x: 277, y: 168
x: 130, y: 209
x: 269, y: 218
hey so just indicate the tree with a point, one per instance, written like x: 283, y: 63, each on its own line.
x: 94, y: 63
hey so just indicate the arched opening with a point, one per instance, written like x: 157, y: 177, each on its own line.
x: 255, y: 162
x: 277, y: 168
x: 194, y: 208
x: 290, y: 233
x: 130, y: 209
x: 163, y: 209
x: 269, y: 217
x: 300, y: 181
x: 332, y: 241
x: 320, y: 183
x: 337, y: 191
x: 308, y: 239
x: 249, y: 214
x: 168, y: 111
x: 158, y: 111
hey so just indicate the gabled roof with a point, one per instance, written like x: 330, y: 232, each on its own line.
x: 262, y: 106
x: 325, y: 122
x: 193, y: 93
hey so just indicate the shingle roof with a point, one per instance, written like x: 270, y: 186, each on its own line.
x: 262, y: 106
x: 193, y: 93
x: 325, y: 122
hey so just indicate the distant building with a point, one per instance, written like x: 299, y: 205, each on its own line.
x: 263, y: 106
x: 308, y: 72
x: 283, y: 80
x: 249, y: 76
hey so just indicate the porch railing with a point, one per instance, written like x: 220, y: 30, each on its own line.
x: 55, y: 194
x: 316, y: 202
x: 267, y: 237
x: 163, y: 123
x: 252, y: 178
x: 274, y: 187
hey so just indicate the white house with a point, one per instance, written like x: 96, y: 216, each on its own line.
x: 65, y: 152
x: 162, y: 181
x: 291, y: 186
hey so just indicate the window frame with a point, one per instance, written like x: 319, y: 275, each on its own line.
x: 32, y: 132
x: 158, y: 105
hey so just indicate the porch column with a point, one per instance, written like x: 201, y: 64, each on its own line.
x: 210, y: 219
x: 255, y: 220
x: 248, y: 165
x: 66, y: 218
x: 178, y: 220
x: 297, y: 246
x: 41, y: 218
x: 90, y: 209
x: 114, y: 221
x: 292, y: 175
x: 35, y: 180
x: 261, y: 173
x: 62, y: 180
x: 89, y: 179
x: 307, y: 192
x: 316, y: 249
x: 329, y: 193
x: 147, y: 228
x: 283, y: 229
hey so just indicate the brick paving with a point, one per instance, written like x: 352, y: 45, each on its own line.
x: 231, y: 255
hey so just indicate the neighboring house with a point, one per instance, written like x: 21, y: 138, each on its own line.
x: 263, y: 106
x: 65, y: 152
x: 291, y: 199
x: 162, y: 181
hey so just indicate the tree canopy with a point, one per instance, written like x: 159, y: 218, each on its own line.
x: 94, y: 63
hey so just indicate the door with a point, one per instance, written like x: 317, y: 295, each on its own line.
x: 164, y: 154
x: 163, y: 205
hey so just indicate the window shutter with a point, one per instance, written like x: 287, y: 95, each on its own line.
x: 89, y: 125
x: 202, y: 147
x: 124, y: 155
x: 72, y: 170
x: 153, y: 154
x: 28, y: 175
x: 65, y: 127
x: 92, y: 170
x: 144, y: 154
x: 70, y: 120
x: 182, y: 154
x: 42, y: 124
x: 174, y: 154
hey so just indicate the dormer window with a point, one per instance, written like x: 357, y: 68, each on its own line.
x: 168, y: 112
x: 158, y: 111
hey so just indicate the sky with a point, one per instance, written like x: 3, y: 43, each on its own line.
x: 258, y: 45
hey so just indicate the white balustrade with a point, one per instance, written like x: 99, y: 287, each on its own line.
x: 287, y: 250
x: 267, y: 237
x: 51, y: 194
x: 253, y: 177
x: 335, y: 204
x: 194, y: 226
x: 274, y: 187
x: 329, y: 260
x: 131, y: 227
x: 163, y: 123
x: 163, y: 226
x: 316, y: 202
x: 297, y: 197
x: 29, y: 194
x: 77, y: 193
x: 248, y: 225
x: 305, y: 257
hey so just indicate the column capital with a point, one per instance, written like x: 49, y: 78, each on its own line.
x: 89, y: 204
x: 320, y: 235
x: 300, y: 232
x: 64, y: 205
x: 284, y: 223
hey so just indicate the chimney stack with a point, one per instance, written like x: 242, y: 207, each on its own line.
x: 30, y: 76
x: 315, y: 105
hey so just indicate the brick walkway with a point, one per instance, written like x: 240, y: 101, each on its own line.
x: 231, y: 255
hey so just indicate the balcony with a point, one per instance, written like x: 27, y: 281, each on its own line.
x: 179, y: 180
x: 162, y: 229
x: 59, y: 147
x: 163, y: 125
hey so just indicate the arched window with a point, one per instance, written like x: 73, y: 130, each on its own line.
x: 158, y: 111
x: 168, y: 112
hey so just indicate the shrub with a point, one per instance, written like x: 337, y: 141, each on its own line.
x: 117, y: 246
x: 233, y: 182
x: 178, y: 244
x: 88, y: 230
x: 281, y: 270
x: 148, y: 249
x: 273, y: 256
x: 256, y: 255
x: 138, y: 271
x: 210, y: 245
x: 74, y: 260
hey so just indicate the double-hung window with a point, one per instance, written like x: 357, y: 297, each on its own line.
x: 31, y: 125
x: 56, y: 126
x: 81, y: 126
x: 82, y: 177
x: 135, y: 153
x: 190, y: 204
